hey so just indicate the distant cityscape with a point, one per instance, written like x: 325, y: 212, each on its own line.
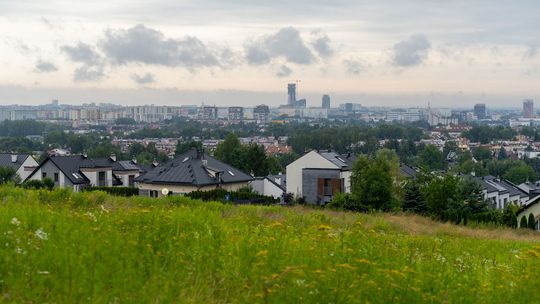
x: 294, y: 109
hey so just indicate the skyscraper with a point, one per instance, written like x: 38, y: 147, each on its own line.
x: 528, y: 108
x: 480, y: 110
x: 326, y: 101
x: 291, y: 89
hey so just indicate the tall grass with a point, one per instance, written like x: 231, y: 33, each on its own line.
x: 94, y: 248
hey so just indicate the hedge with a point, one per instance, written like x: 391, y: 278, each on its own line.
x: 118, y: 191
x: 239, y: 197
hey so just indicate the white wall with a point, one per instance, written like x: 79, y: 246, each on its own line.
x: 30, y: 164
x: 266, y: 187
x: 294, y: 170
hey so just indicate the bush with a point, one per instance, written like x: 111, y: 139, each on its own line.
x: 46, y: 183
x: 346, y: 201
x: 118, y: 191
x: 222, y: 195
x: 531, y: 221
x: 523, y: 222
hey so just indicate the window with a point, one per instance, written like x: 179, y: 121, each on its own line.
x: 327, y: 187
x: 230, y: 172
x: 43, y: 175
x: 56, y: 177
x: 102, y: 182
x: 131, y: 180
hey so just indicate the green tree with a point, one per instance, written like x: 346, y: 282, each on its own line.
x: 373, y: 181
x: 432, y: 158
x: 442, y: 196
x: 523, y: 222
x: 230, y: 151
x: 413, y: 200
x: 520, y: 173
x: 531, y: 221
x: 8, y: 174
x: 254, y: 160
x: 482, y: 153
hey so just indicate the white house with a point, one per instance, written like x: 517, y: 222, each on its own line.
x: 271, y: 185
x: 318, y: 175
x: 23, y: 164
x: 79, y: 171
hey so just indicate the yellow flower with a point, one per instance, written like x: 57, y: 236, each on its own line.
x: 324, y: 227
x: 262, y: 252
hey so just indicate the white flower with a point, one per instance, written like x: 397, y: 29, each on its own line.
x: 43, y: 272
x: 15, y: 221
x: 42, y: 235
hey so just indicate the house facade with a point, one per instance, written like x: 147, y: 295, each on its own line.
x: 78, y: 171
x: 23, y: 164
x: 271, y: 185
x: 191, y: 171
x: 319, y: 175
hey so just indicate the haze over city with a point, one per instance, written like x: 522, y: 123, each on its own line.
x: 244, y: 52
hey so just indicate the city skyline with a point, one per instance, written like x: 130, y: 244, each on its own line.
x: 172, y: 53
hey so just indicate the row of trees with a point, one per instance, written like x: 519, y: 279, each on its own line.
x: 251, y: 158
x: 376, y: 184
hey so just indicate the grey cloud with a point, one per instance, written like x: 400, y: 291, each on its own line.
x: 286, y: 43
x: 87, y: 73
x: 321, y: 44
x: 82, y: 52
x: 354, y: 66
x: 284, y: 71
x: 143, y: 79
x: 411, y: 51
x: 45, y: 67
x: 141, y: 44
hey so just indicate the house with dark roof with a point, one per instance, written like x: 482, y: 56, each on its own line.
x: 190, y: 172
x: 79, y: 171
x: 318, y: 175
x: 23, y: 164
x: 500, y: 192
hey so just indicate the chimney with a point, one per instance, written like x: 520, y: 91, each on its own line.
x: 113, y: 156
x: 134, y: 160
x: 13, y: 158
x: 155, y: 163
x: 84, y: 155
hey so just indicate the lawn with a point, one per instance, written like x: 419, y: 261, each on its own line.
x: 94, y: 248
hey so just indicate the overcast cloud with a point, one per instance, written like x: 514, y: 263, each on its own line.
x: 476, y: 47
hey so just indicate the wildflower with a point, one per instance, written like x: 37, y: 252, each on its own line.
x: 262, y: 252
x: 324, y: 227
x: 43, y: 272
x: 42, y: 235
x: 15, y: 221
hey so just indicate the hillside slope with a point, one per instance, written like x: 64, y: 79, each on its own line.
x: 67, y: 247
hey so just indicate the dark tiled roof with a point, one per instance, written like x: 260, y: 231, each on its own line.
x: 5, y: 160
x: 344, y: 162
x: 189, y: 169
x: 407, y: 171
x: 71, y: 165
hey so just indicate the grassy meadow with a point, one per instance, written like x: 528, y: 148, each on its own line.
x: 63, y: 247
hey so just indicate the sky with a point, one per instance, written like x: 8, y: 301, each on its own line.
x: 244, y: 52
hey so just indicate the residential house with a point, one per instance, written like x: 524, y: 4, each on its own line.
x: 79, y: 171
x: 271, y: 185
x: 319, y: 175
x: 189, y: 172
x: 500, y: 192
x: 23, y: 164
x: 531, y: 206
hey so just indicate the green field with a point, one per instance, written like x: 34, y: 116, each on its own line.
x: 63, y: 247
